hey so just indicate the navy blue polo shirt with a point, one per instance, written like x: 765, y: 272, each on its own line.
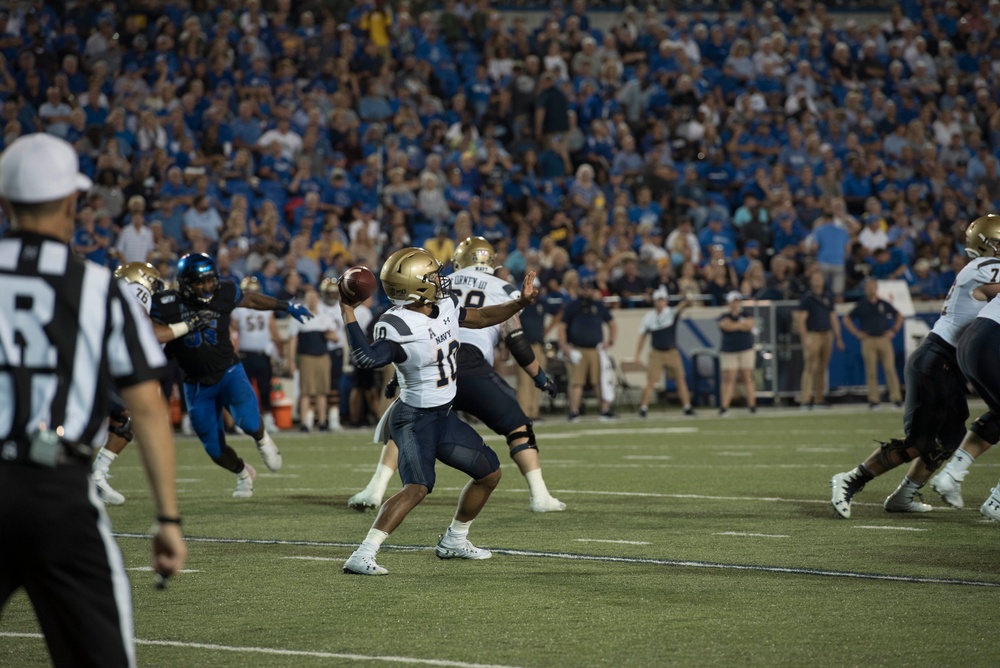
x: 584, y: 319
x: 735, y: 342
x: 874, y: 319
x: 819, y: 309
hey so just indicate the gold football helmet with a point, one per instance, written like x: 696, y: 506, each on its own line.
x: 982, y: 238
x: 142, y: 273
x: 329, y: 291
x: 412, y: 275
x: 474, y: 252
x: 250, y: 284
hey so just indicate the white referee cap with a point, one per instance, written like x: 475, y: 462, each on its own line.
x: 661, y: 293
x: 39, y: 168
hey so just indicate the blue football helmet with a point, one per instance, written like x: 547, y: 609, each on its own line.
x: 197, y: 277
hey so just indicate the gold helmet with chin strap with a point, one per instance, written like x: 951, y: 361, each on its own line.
x: 412, y: 276
x: 250, y: 284
x: 329, y: 291
x: 982, y: 238
x: 474, y: 252
x: 142, y: 273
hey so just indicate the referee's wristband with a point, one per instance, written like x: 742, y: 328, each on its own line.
x: 163, y: 519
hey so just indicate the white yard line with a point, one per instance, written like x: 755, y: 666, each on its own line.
x: 618, y: 542
x: 887, y: 528
x: 291, y: 652
x: 750, y: 535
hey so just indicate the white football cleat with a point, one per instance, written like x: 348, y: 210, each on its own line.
x: 548, y: 504
x: 898, y: 503
x: 186, y: 428
x: 991, y: 508
x: 362, y: 564
x: 244, y: 484
x: 269, y: 452
x: 449, y: 547
x: 842, y: 493
x: 364, y: 500
x: 107, y: 492
x: 950, y: 488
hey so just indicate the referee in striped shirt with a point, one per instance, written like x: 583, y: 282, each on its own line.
x: 66, y: 332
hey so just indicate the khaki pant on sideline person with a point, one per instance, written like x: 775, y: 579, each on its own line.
x: 816, y: 352
x: 529, y: 396
x: 875, y: 350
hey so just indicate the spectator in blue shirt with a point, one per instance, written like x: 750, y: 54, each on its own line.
x: 832, y: 244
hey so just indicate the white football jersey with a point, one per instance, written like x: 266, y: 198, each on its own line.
x: 338, y: 320
x: 139, y: 292
x: 254, y: 329
x: 960, y: 307
x: 427, y: 377
x: 476, y: 287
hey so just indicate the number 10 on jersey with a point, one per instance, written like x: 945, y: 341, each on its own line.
x: 447, y: 376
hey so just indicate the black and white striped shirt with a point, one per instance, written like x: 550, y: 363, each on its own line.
x: 66, y: 334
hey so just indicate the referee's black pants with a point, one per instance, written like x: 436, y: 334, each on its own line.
x: 55, y: 541
x: 258, y: 369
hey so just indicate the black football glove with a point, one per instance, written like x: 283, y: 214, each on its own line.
x: 122, y: 429
x: 200, y: 320
x: 546, y: 384
x: 391, y: 387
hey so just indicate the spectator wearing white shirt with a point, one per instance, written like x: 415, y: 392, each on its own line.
x: 55, y: 113
x: 873, y: 236
x: 290, y: 141
x: 135, y: 241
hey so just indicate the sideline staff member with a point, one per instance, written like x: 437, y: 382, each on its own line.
x: 877, y: 324
x: 66, y: 331
x: 818, y: 326
x: 660, y: 325
x: 581, y: 332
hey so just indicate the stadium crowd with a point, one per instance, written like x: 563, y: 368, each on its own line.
x: 707, y: 151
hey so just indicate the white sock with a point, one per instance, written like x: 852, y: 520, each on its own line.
x: 687, y: 407
x: 957, y: 467
x: 460, y: 529
x: 308, y: 420
x: 644, y: 407
x: 333, y: 418
x: 373, y: 541
x: 380, y: 480
x: 536, y: 485
x: 103, y: 460
x: 908, y: 488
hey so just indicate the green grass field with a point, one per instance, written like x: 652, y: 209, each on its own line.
x: 687, y: 542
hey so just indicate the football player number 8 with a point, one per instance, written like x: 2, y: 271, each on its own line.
x: 447, y: 376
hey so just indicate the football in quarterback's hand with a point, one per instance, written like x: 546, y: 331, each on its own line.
x: 356, y: 285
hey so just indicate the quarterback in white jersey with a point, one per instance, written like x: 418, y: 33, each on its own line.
x: 482, y: 392
x: 141, y: 280
x: 419, y: 337
x: 936, y: 410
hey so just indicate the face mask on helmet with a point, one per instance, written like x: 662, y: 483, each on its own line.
x: 197, y: 277
x: 413, y: 276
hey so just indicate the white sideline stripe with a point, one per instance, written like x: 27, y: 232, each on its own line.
x: 149, y: 569
x: 730, y: 453
x: 290, y: 652
x: 188, y: 480
x: 820, y: 450
x: 313, y: 558
x: 791, y: 570
x: 654, y: 431
x: 618, y: 542
x: 750, y: 535
x: 888, y: 528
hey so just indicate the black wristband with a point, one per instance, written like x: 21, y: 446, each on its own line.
x: 163, y: 519
x: 281, y: 304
